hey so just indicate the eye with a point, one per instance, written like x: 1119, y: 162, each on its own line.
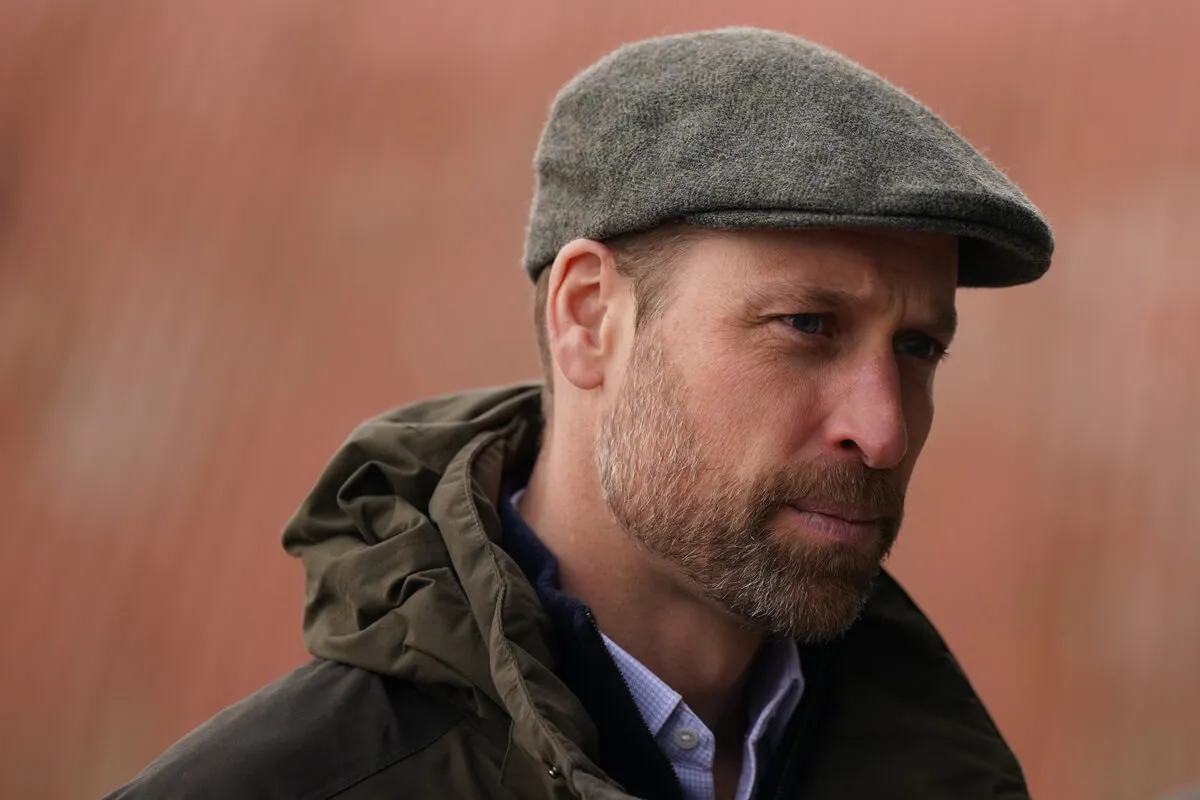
x: 810, y: 324
x: 921, y: 346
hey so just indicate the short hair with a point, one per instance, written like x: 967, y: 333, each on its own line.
x: 647, y: 259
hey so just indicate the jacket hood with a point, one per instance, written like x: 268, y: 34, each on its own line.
x: 405, y: 576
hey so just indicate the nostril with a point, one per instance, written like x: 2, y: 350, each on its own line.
x: 847, y: 444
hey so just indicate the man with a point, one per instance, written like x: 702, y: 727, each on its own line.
x: 659, y: 575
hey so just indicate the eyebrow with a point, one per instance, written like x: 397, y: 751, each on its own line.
x: 944, y: 320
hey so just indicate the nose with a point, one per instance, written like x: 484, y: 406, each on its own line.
x: 867, y: 420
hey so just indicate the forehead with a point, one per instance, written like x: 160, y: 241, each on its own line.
x: 870, y: 264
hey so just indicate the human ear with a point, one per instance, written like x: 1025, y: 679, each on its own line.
x: 578, y: 309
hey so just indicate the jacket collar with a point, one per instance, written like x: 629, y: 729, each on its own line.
x: 628, y: 751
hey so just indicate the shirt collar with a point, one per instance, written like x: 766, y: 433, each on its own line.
x: 656, y: 701
x: 773, y: 690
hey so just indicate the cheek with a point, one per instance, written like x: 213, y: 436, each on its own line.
x: 753, y: 414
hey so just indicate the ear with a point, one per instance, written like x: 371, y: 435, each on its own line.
x: 585, y: 300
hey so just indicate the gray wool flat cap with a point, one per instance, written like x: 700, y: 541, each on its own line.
x: 745, y: 128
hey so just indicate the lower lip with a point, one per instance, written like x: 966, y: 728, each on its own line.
x: 836, y: 527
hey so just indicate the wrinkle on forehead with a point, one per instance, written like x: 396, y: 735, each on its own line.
x: 894, y: 271
x: 851, y: 254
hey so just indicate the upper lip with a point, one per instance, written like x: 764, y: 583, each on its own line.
x: 846, y: 513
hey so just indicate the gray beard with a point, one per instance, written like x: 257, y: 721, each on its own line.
x: 715, y: 531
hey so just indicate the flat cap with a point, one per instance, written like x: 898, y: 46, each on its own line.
x: 747, y: 128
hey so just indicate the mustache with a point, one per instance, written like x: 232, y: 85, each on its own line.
x: 846, y: 489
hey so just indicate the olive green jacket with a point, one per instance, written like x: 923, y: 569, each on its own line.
x: 435, y: 675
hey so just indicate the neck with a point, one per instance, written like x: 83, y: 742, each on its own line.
x: 640, y: 602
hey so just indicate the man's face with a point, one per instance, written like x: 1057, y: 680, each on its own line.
x: 768, y: 419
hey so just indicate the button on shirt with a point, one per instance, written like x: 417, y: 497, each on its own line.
x: 773, y: 692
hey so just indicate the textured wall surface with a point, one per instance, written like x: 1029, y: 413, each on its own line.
x: 231, y: 230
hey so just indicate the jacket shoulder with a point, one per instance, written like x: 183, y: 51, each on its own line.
x: 896, y: 698
x: 308, y: 736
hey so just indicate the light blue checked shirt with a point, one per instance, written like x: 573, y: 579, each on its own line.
x: 773, y: 692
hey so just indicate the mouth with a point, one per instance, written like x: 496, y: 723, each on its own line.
x: 838, y: 523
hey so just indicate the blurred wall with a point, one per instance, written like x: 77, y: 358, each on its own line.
x: 229, y: 231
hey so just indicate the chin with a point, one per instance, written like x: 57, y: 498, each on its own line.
x: 828, y: 622
x: 823, y: 608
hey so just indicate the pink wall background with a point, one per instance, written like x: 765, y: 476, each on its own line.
x: 230, y: 231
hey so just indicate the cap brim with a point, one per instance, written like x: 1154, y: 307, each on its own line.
x: 988, y: 256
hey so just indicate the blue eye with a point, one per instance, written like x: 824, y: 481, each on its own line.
x: 811, y: 324
x: 921, y: 346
